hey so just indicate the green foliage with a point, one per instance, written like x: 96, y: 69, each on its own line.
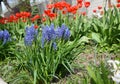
x: 106, y: 30
x: 99, y: 74
x: 10, y: 73
x: 44, y: 64
x: 7, y: 50
x: 25, y: 5
x: 79, y: 27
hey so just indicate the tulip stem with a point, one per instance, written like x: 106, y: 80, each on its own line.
x: 95, y: 54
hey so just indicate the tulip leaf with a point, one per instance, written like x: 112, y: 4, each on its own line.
x: 96, y: 37
x: 95, y: 27
x: 84, y: 39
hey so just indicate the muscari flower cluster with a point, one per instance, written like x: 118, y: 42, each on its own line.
x: 49, y: 33
x: 4, y: 36
x: 30, y: 35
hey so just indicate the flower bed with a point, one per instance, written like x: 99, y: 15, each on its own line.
x: 45, y: 46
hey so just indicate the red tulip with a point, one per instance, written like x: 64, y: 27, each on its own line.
x: 35, y: 17
x: 61, y: 5
x: 35, y: 26
x: 64, y: 12
x: 47, y: 12
x: 79, y: 1
x: 52, y: 15
x: 72, y: 9
x: 12, y: 18
x: 118, y: 1
x: 94, y: 10
x: 87, y: 4
x: 79, y: 5
x: 43, y: 19
x: 3, y: 20
x: 69, y: 9
x: 18, y: 15
x: 28, y: 14
x: 23, y: 14
x: 74, y: 12
x: 118, y: 5
x: 84, y: 13
x: 32, y: 19
x: 99, y: 7
x: 50, y: 6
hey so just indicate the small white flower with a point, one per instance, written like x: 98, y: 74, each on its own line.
x: 110, y: 61
x: 116, y: 69
x: 114, y: 64
x: 116, y: 77
x: 117, y: 62
x: 99, y: 15
x: 2, y: 82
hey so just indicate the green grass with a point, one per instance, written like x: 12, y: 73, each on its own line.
x: 9, y: 71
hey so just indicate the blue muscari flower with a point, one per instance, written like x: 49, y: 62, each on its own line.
x: 66, y: 34
x: 54, y: 45
x: 30, y: 35
x: 63, y: 32
x: 31, y: 30
x: 42, y: 41
x: 48, y: 34
x: 5, y: 36
x: 1, y: 35
x: 28, y: 40
x: 59, y: 32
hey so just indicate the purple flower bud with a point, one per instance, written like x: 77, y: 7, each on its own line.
x: 28, y: 40
x: 54, y: 45
x: 42, y: 41
x: 66, y: 34
x: 51, y: 34
x: 1, y: 35
x: 30, y: 35
x: 6, y: 36
x: 59, y: 32
x: 63, y: 32
x: 48, y: 34
x: 31, y: 30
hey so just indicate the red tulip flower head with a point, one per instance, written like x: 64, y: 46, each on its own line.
x: 79, y: 1
x: 87, y: 4
x: 99, y: 7
x: 50, y: 6
x: 94, y: 11
x: 118, y: 5
x: 118, y: 1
